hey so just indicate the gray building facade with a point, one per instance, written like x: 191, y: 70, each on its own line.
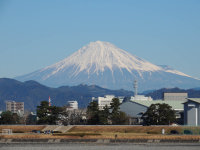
x: 192, y: 112
x: 175, y: 96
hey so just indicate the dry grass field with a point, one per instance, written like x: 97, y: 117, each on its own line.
x: 21, y: 129
x: 124, y: 129
x: 105, y: 132
x: 138, y: 132
x: 134, y: 129
x: 104, y: 136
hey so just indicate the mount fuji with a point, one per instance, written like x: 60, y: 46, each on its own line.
x: 103, y: 64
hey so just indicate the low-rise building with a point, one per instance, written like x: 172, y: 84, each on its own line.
x: 136, y: 108
x: 103, y: 101
x: 175, y: 96
x: 106, y: 100
x: 192, y: 112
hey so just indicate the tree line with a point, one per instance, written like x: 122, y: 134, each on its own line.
x: 107, y: 116
x: 156, y: 114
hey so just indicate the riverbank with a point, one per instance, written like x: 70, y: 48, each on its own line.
x: 101, y: 134
x: 96, y: 141
x: 94, y: 146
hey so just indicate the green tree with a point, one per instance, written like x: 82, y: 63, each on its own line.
x: 104, y: 116
x: 117, y: 116
x: 54, y: 114
x: 31, y: 119
x: 43, y: 111
x: 48, y: 114
x: 93, y: 113
x: 8, y: 117
x: 16, y: 119
x: 73, y: 117
x: 123, y: 119
x: 159, y: 114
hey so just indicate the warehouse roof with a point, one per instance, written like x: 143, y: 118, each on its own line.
x: 197, y: 100
x: 176, y: 105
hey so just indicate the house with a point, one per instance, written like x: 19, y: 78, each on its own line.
x: 192, y: 112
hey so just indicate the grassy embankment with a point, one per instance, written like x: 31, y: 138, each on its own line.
x: 107, y: 132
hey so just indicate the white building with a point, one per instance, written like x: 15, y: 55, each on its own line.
x: 15, y: 107
x: 72, y: 105
x: 103, y: 101
x: 121, y: 98
x: 141, y: 98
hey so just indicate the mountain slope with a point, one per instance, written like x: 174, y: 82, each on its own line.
x: 104, y: 64
x: 32, y: 93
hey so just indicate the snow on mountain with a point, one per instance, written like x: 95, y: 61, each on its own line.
x: 171, y: 70
x: 104, y: 64
x: 97, y: 56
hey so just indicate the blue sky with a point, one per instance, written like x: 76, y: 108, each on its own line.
x: 38, y: 33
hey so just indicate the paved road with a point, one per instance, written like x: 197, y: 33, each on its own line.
x: 65, y: 146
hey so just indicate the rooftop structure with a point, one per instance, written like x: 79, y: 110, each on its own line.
x: 139, y: 97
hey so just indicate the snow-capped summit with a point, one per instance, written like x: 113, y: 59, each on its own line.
x: 98, y: 56
x: 104, y: 64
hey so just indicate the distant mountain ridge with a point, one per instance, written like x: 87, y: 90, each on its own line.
x: 32, y: 93
x: 103, y: 64
x: 158, y: 94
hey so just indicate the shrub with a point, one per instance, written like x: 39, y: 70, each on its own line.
x: 18, y: 131
x: 174, y: 132
x: 188, y: 132
x: 153, y: 132
x: 57, y: 132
